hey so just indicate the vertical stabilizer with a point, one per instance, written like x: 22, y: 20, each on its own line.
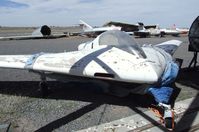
x: 86, y: 26
x: 141, y: 26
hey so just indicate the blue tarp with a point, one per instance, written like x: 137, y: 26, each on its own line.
x: 170, y: 73
x: 163, y: 92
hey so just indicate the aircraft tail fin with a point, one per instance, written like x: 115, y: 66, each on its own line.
x: 169, y: 46
x: 141, y: 26
x: 174, y: 27
x: 85, y: 25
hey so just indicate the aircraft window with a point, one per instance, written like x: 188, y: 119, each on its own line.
x: 120, y: 38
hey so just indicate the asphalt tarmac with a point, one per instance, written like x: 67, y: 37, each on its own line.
x: 72, y: 106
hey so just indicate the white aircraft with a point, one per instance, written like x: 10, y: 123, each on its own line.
x: 113, y: 57
x: 173, y: 32
x: 142, y: 32
x: 157, y: 31
x: 181, y: 30
x: 40, y: 33
x: 94, y: 31
x: 154, y: 30
x: 138, y: 29
x: 147, y: 31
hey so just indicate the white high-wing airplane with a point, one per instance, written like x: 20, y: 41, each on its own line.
x: 113, y: 57
x: 94, y: 31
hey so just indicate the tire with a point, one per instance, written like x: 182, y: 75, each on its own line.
x: 162, y: 34
x: 169, y: 124
x: 44, y: 88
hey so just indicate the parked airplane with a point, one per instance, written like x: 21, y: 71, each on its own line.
x: 181, y: 30
x: 112, y: 57
x: 42, y: 32
x: 94, y: 31
x: 138, y: 29
x: 148, y: 31
x: 142, y: 32
x: 173, y: 32
x: 155, y: 30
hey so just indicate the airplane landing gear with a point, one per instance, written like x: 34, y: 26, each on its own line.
x: 169, y: 119
x: 169, y: 124
x: 43, y: 85
x: 166, y: 115
x: 44, y: 88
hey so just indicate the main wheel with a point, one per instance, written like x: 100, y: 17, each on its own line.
x: 169, y: 123
x: 162, y: 34
x: 44, y: 88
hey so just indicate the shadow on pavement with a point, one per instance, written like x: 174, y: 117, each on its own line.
x: 188, y: 77
x: 90, y: 93
x: 74, y: 91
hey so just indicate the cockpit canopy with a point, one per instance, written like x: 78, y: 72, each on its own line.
x: 122, y: 40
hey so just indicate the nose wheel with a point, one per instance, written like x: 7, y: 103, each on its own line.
x: 166, y: 115
x: 169, y: 123
x: 169, y: 119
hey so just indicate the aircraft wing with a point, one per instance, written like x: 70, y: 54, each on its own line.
x: 150, y: 26
x: 169, y: 46
x: 14, y: 61
x: 40, y: 33
x: 21, y: 37
x: 125, y: 26
x: 72, y: 63
x: 33, y: 37
x: 53, y: 62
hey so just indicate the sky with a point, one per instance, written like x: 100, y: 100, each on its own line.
x: 166, y: 13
